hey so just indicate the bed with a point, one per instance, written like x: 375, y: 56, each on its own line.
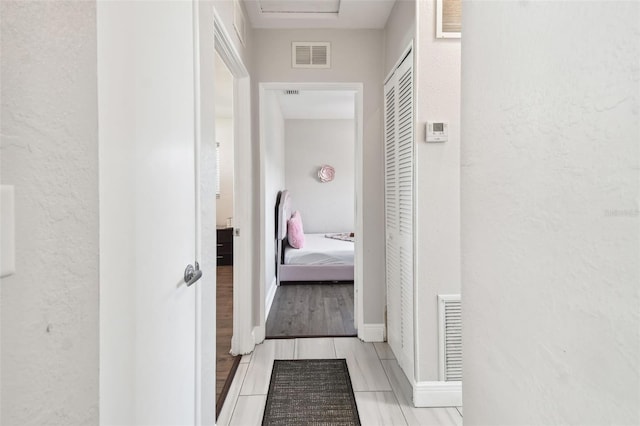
x: 321, y: 259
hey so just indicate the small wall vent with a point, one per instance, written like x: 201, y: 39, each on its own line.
x: 311, y: 54
x: 450, y: 324
x: 291, y: 92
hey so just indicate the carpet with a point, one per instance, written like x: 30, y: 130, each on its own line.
x: 310, y: 392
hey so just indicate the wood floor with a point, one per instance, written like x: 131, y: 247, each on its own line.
x: 303, y: 310
x: 225, y: 363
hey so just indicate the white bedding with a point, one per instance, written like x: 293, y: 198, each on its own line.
x: 319, y: 250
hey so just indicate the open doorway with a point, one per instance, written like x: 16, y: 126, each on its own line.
x: 226, y: 363
x: 311, y: 164
x: 208, y: 322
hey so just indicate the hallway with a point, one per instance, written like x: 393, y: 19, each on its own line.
x: 529, y: 210
x: 382, y: 392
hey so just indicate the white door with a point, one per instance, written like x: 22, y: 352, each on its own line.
x: 391, y: 218
x: 148, y: 213
x: 399, y: 212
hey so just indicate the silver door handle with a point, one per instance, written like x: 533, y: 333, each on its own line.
x: 191, y: 274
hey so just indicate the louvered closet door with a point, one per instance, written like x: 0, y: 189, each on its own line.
x: 399, y: 213
x: 392, y: 224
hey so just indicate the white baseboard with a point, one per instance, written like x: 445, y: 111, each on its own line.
x: 271, y: 294
x: 437, y: 394
x: 371, y: 332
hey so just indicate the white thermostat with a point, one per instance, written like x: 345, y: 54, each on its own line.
x: 437, y: 131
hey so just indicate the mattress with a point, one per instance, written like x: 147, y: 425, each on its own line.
x: 320, y: 250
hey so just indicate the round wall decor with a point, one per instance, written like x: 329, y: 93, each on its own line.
x: 326, y: 173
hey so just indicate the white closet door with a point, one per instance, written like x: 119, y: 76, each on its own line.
x: 391, y: 220
x: 399, y: 213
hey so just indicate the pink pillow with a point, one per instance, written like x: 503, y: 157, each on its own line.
x: 294, y: 231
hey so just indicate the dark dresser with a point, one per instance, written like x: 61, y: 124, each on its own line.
x: 225, y: 246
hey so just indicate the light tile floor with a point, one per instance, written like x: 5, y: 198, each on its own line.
x: 383, y: 393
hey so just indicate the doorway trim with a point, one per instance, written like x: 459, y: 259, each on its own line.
x: 217, y: 38
x: 242, y: 341
x: 358, y: 88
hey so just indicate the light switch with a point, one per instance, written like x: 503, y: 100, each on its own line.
x: 7, y: 231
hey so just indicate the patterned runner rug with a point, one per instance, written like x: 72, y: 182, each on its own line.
x: 310, y: 392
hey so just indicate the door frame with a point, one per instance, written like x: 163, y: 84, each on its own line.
x: 205, y: 327
x: 358, y: 88
x: 242, y: 340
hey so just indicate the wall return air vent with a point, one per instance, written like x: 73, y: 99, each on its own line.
x: 450, y: 322
x: 311, y: 54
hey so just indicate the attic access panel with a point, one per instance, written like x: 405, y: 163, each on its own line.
x: 299, y: 6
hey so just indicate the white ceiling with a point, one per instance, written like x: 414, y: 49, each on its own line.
x: 316, y: 104
x: 353, y: 14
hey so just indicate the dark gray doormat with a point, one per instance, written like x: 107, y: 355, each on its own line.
x: 310, y: 392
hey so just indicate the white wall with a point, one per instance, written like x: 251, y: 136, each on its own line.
x: 357, y: 56
x: 274, y: 180
x: 50, y: 153
x: 399, y: 32
x: 224, y: 136
x: 309, y: 144
x: 550, y: 198
x: 437, y: 183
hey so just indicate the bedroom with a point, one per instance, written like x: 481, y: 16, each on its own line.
x: 310, y: 158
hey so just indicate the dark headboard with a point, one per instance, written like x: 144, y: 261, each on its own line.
x: 284, y: 214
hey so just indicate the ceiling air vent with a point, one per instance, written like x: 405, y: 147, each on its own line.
x: 311, y: 55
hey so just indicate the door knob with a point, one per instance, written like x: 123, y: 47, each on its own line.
x: 191, y: 274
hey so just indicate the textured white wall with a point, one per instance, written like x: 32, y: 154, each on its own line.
x: 437, y: 183
x: 224, y: 204
x: 325, y: 207
x: 50, y: 153
x: 356, y: 56
x: 550, y: 222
